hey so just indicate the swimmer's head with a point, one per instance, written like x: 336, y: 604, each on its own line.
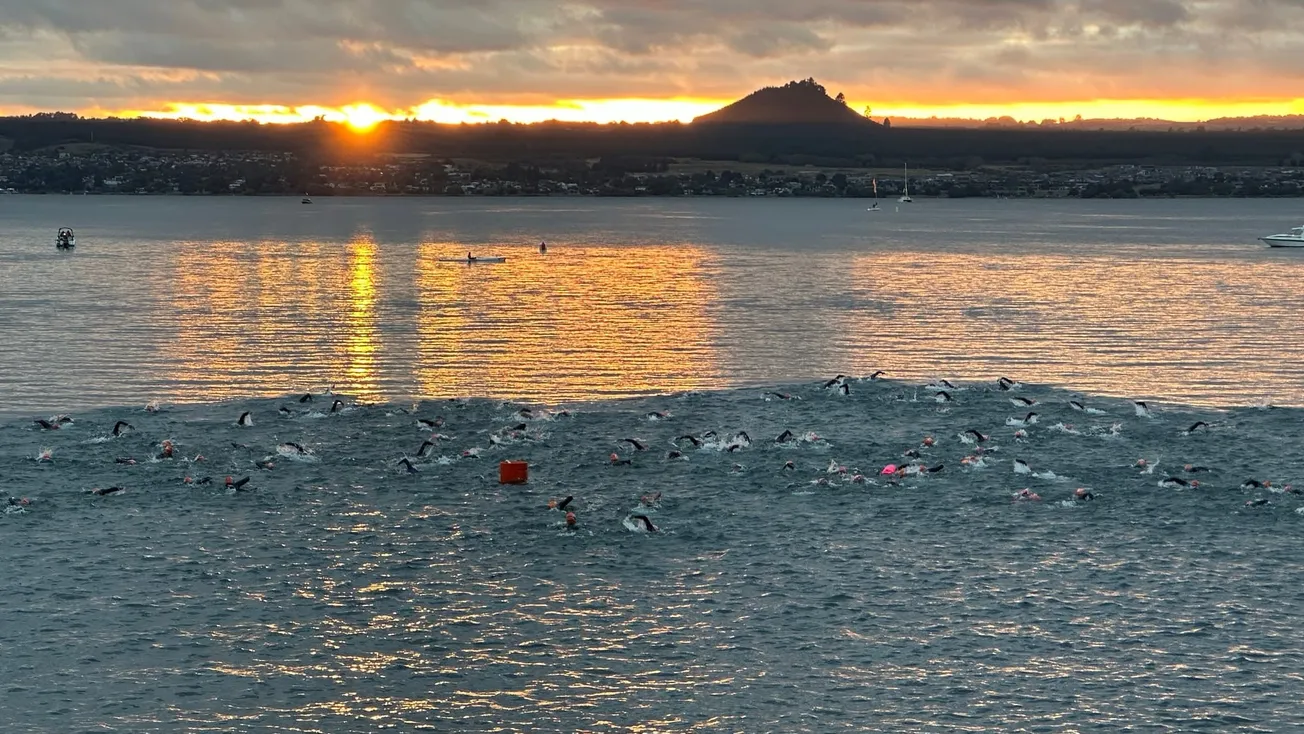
x: 570, y: 519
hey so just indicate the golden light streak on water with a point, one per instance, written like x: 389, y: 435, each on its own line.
x: 361, y: 337
x: 574, y: 323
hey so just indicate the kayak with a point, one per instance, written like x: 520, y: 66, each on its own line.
x: 472, y: 261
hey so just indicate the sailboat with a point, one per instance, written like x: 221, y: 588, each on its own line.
x: 875, y: 208
x: 905, y: 198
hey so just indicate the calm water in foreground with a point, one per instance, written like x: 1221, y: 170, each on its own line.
x: 340, y: 593
x: 189, y: 299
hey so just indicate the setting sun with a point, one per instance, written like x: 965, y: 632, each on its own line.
x: 363, y: 117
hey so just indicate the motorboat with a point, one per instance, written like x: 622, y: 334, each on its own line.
x: 1294, y: 239
x: 65, y: 240
x: 305, y: 200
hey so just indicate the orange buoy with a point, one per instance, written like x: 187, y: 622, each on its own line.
x: 513, y: 472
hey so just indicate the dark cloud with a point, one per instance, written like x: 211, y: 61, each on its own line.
x: 402, y: 52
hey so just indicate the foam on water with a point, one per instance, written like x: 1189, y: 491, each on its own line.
x: 346, y: 594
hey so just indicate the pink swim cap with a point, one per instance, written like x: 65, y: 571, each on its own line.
x: 889, y: 469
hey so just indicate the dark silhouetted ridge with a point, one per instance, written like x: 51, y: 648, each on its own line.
x: 795, y: 103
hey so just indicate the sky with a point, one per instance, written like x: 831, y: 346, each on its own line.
x: 648, y: 60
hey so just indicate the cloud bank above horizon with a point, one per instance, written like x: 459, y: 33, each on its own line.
x: 643, y: 59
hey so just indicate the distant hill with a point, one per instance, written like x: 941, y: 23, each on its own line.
x: 795, y: 103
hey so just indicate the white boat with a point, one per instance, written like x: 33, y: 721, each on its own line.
x: 65, y: 240
x: 472, y: 260
x: 1294, y: 239
x: 305, y: 200
x: 905, y: 198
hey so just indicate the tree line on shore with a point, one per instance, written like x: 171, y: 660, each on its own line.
x: 819, y: 144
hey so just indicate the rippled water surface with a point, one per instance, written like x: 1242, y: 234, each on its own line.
x: 339, y: 593
x: 790, y: 585
x: 176, y: 298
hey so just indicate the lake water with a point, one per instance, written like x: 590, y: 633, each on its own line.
x: 790, y: 586
x: 184, y: 299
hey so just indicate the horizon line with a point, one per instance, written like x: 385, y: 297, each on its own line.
x: 363, y: 116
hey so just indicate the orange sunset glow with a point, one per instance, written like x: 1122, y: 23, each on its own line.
x: 364, y: 116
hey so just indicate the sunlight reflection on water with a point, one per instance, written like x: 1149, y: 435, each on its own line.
x: 197, y: 299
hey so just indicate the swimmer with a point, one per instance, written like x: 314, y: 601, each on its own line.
x: 658, y: 415
x: 127, y: 460
x: 676, y: 454
x: 785, y: 437
x: 976, y: 436
x: 543, y: 248
x: 835, y: 381
x: 1174, y: 482
x: 1026, y: 495
x: 780, y: 395
x: 929, y: 441
x: 285, y: 410
x: 1006, y: 383
x: 237, y: 484
x: 555, y: 505
x: 647, y: 522
x: 1027, y: 420
x: 570, y: 520
x: 1260, y: 502
x: 942, y: 396
x: 427, y: 424
x: 691, y: 439
x: 167, y: 450
x: 939, y: 384
x: 47, y: 425
x: 877, y: 374
x: 1076, y: 405
x: 1083, y: 494
x: 122, y: 427
x: 152, y: 406
x: 107, y: 491
x: 265, y: 464
x: 650, y: 499
x: 1021, y: 467
x: 1193, y: 469
x: 912, y: 454
x: 788, y: 466
x: 1023, y: 402
x: 633, y: 442
x: 246, y: 419
x: 1195, y: 427
x: 1142, y: 410
x: 337, y: 405
x: 307, y: 398
x: 617, y: 461
x: 1255, y: 484
x: 424, y: 451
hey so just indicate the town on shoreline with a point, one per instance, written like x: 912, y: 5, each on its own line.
x: 94, y: 170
